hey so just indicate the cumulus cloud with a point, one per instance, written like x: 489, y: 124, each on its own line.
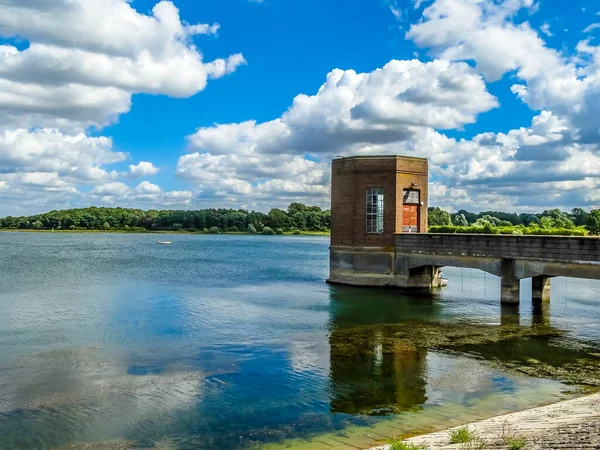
x: 484, y: 31
x: 404, y: 107
x: 87, y: 57
x: 143, y: 169
x: 74, y: 158
x: 382, y: 106
x: 351, y: 110
x: 82, y: 63
x: 145, y: 194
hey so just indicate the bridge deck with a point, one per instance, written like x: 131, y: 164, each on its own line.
x: 415, y: 259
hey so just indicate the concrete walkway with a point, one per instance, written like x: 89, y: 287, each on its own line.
x: 572, y: 424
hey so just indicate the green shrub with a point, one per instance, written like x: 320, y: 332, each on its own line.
x: 461, y: 435
x: 512, y: 230
x: 231, y: 229
x: 396, y: 444
x: 251, y: 229
x: 268, y: 230
x: 278, y: 231
x: 296, y: 232
x: 578, y: 231
x: 476, y: 443
x: 214, y: 230
x: 515, y: 443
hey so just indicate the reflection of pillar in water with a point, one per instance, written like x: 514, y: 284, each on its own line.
x: 509, y: 314
x: 540, y: 313
x: 409, y: 366
x: 373, y: 373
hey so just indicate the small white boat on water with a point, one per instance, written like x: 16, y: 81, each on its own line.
x: 160, y: 241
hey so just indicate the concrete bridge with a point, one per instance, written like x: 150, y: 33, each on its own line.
x: 379, y: 236
x: 415, y: 259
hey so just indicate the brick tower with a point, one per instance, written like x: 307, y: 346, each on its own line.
x: 373, y: 198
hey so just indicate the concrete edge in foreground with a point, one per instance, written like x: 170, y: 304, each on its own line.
x: 529, y: 424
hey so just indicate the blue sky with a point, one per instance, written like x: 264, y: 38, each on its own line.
x: 500, y: 95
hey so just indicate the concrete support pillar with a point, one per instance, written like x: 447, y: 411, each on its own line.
x: 436, y: 282
x: 510, y: 285
x: 424, y: 277
x: 540, y: 288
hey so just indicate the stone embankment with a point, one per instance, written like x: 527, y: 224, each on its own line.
x: 572, y: 424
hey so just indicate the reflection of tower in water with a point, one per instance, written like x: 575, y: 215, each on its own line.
x: 373, y: 373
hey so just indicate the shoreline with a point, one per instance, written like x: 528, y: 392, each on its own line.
x: 232, y: 233
x: 545, y: 427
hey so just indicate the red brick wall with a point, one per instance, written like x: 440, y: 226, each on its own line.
x: 351, y: 177
x: 413, y: 171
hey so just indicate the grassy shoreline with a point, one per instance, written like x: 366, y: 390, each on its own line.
x: 287, y: 233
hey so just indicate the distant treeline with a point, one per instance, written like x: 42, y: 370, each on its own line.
x: 578, y: 222
x: 297, y: 217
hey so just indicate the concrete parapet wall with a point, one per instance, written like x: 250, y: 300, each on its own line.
x: 549, y: 248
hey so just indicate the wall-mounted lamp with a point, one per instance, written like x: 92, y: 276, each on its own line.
x: 412, y: 185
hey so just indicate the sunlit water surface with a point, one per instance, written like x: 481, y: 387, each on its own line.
x: 237, y: 342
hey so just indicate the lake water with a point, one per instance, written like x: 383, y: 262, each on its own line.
x: 236, y: 342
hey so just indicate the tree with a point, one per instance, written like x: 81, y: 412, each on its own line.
x: 593, y: 222
x: 579, y: 216
x: 471, y: 217
x: 439, y: 217
x: 460, y: 220
x: 296, y: 207
x: 251, y: 229
x: 490, y: 219
x: 278, y: 219
x: 529, y: 219
x: 559, y: 218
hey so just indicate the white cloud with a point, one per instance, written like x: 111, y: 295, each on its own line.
x: 253, y: 161
x: 591, y: 27
x: 114, y: 188
x: 385, y: 105
x: 73, y: 76
x: 144, y: 194
x: 545, y: 28
x: 401, y: 109
x: 87, y: 57
x: 482, y: 30
x: 82, y: 63
x: 146, y: 187
x: 75, y: 158
x: 143, y: 169
x: 395, y: 9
